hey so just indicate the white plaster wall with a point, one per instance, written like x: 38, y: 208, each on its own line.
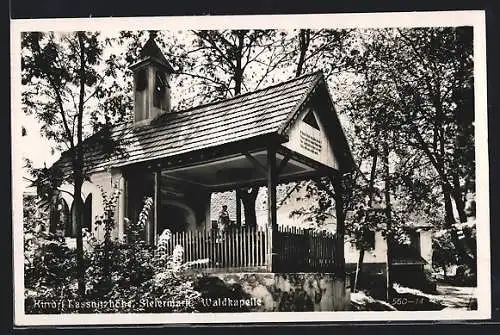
x: 108, y: 180
x: 377, y: 255
x: 326, y: 155
x: 426, y: 248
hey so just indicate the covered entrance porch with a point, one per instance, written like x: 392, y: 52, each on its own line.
x: 181, y: 189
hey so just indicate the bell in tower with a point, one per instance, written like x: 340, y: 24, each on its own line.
x: 151, y: 83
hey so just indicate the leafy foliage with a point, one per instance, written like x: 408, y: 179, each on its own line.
x: 407, y: 96
x: 133, y: 275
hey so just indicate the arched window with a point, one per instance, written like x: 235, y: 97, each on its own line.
x: 87, y: 213
x: 141, y: 80
x: 160, y: 89
x: 64, y: 214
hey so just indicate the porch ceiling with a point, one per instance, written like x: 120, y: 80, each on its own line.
x: 237, y: 170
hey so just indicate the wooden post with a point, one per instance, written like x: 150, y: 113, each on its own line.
x: 272, y: 225
x: 156, y: 209
x: 339, y: 281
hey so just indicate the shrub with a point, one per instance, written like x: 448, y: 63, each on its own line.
x: 120, y: 277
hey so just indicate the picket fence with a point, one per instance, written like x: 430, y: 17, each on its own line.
x: 297, y: 249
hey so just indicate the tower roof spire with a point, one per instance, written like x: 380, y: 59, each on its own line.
x: 152, y: 52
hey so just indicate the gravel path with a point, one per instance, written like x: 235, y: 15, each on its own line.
x: 456, y: 296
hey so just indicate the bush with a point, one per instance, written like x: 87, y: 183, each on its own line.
x: 120, y: 277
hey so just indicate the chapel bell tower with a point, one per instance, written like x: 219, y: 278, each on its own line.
x: 151, y: 83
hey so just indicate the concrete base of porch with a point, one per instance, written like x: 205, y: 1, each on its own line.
x: 273, y: 292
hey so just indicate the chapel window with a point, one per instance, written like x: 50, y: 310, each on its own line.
x: 310, y: 119
x: 159, y: 89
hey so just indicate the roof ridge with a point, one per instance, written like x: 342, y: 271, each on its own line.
x: 242, y: 95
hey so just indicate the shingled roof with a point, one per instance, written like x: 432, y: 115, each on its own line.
x: 243, y: 117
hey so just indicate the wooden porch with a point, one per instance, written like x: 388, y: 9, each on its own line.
x: 246, y: 250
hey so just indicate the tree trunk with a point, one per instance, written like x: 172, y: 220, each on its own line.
x: 107, y: 249
x: 79, y: 238
x: 78, y: 170
x: 304, y: 39
x: 449, y: 219
x: 388, y: 213
x: 359, y: 268
x: 459, y: 201
x: 339, y: 289
x: 238, y: 210
x: 361, y: 257
x: 248, y: 199
x: 238, y: 71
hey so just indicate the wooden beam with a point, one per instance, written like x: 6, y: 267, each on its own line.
x: 272, y: 224
x: 263, y: 182
x: 185, y: 181
x: 303, y: 159
x: 203, y: 155
x: 258, y: 165
x: 283, y: 162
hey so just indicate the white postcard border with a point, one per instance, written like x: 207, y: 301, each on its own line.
x: 360, y: 20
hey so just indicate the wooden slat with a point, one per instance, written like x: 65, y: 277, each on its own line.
x: 204, y: 247
x: 215, y: 251
x: 245, y: 257
x: 298, y: 249
x: 242, y: 246
x: 200, y: 246
x: 188, y: 251
x: 251, y: 240
x: 184, y: 243
x: 249, y: 247
x: 233, y: 248
x: 259, y: 248
x: 192, y: 257
x: 224, y: 249
x: 192, y: 242
x: 195, y: 241
x: 169, y: 246
x: 265, y: 250
x: 174, y: 241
